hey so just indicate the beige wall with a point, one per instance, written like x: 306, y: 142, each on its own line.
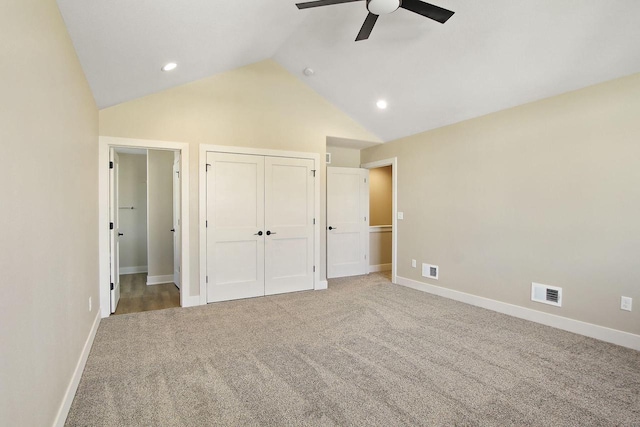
x: 260, y: 105
x: 132, y: 184
x: 380, y: 247
x: 546, y: 192
x: 160, y: 176
x: 344, y: 157
x: 380, y: 196
x: 49, y: 244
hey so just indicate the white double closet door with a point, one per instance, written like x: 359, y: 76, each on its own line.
x: 260, y: 227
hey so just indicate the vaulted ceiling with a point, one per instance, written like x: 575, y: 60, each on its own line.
x: 489, y: 56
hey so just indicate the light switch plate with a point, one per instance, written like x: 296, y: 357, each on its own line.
x: 413, y: 263
x: 626, y: 303
x: 400, y: 215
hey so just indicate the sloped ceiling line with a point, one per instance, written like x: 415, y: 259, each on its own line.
x: 489, y: 56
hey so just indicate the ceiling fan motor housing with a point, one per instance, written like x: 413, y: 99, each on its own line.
x: 383, y: 7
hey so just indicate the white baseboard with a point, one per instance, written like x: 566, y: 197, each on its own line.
x: 379, y: 267
x: 70, y: 393
x: 159, y: 280
x: 322, y: 284
x: 134, y: 270
x: 190, y: 301
x: 602, y: 333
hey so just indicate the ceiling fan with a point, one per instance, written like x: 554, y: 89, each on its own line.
x: 383, y: 7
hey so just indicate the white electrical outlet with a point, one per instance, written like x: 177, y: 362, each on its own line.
x: 625, y: 303
x: 89, y: 303
x: 413, y: 263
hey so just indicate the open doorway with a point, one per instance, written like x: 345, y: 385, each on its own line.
x: 380, y: 219
x: 383, y: 216
x: 145, y: 224
x: 144, y: 200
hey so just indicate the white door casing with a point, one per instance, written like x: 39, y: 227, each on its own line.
x: 393, y: 162
x: 347, y: 221
x: 289, y: 217
x: 235, y: 226
x: 176, y: 219
x: 187, y: 287
x: 114, y: 235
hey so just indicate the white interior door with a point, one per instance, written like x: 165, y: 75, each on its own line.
x: 347, y: 221
x: 235, y: 226
x: 176, y: 220
x: 114, y: 236
x: 289, y: 209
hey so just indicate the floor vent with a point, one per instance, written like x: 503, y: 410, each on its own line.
x: 430, y: 271
x: 546, y: 294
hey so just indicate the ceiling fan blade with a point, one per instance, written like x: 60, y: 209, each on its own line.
x: 428, y: 10
x: 367, y: 27
x: 322, y: 3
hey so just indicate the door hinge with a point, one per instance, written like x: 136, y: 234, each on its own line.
x: 206, y: 168
x: 314, y: 268
x: 206, y: 224
x: 112, y: 286
x: 110, y: 165
x: 314, y: 172
x: 314, y: 221
x: 110, y: 226
x: 207, y: 279
x: 365, y: 180
x: 365, y: 256
x: 178, y: 172
x: 365, y: 219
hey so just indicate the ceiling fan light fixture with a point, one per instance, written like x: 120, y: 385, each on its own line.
x: 383, y: 7
x: 170, y: 66
x: 381, y: 104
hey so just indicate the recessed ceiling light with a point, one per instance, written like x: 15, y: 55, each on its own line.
x: 382, y: 104
x: 170, y: 66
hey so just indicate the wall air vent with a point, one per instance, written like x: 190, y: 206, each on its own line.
x: 546, y: 294
x: 430, y: 271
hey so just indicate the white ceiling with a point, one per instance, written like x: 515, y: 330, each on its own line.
x: 489, y: 56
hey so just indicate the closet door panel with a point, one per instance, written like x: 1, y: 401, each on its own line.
x: 235, y: 216
x: 289, y: 207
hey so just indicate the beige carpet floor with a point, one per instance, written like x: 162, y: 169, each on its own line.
x: 364, y: 352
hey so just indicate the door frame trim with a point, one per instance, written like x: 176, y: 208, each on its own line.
x: 393, y: 162
x: 104, y: 143
x: 202, y: 196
